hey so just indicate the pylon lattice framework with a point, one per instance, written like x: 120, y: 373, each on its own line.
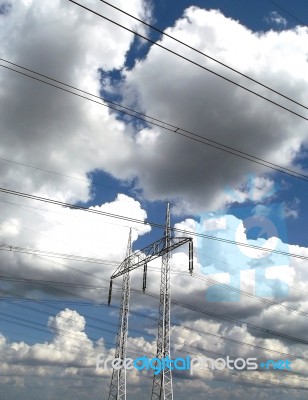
x: 162, y: 382
x: 118, y: 380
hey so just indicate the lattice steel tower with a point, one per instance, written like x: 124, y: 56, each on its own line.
x: 162, y: 382
x: 118, y: 379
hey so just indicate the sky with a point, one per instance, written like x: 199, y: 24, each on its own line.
x: 240, y: 302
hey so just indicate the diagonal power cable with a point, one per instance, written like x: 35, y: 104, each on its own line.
x: 156, y: 122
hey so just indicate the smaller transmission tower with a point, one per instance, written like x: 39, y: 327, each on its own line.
x: 118, y: 379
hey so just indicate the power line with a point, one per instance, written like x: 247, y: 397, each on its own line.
x: 107, y: 330
x: 155, y: 122
x: 64, y: 256
x: 58, y: 212
x: 253, y: 273
x: 220, y: 337
x: 267, y: 331
x: 91, y: 182
x: 201, y: 53
x: 229, y: 287
x: 152, y: 224
x: 200, y: 332
x: 141, y: 315
x: 96, y: 327
x: 219, y: 316
x: 245, y: 293
x: 115, y: 264
x: 201, y: 277
x: 185, y: 351
x: 196, y: 309
x: 238, y: 381
x: 242, y: 292
x: 41, y: 327
x: 205, y: 312
x: 72, y: 334
x: 187, y: 59
x: 57, y: 173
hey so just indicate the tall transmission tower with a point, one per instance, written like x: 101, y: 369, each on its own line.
x: 162, y: 382
x: 118, y: 379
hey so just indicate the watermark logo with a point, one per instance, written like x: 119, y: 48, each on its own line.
x: 247, y: 224
x: 187, y: 363
x: 144, y: 363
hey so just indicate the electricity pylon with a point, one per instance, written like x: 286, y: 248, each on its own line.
x: 162, y: 382
x: 118, y: 379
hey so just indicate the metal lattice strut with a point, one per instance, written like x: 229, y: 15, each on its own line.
x: 118, y: 379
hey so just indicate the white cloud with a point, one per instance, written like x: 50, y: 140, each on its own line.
x: 276, y: 18
x: 68, y: 231
x: 291, y: 209
x: 71, y: 355
x: 45, y: 127
x: 177, y: 92
x: 52, y: 128
x: 48, y: 129
x: 69, y: 347
x: 65, y: 320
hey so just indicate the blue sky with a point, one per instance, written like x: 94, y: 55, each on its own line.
x: 63, y: 134
x: 250, y: 13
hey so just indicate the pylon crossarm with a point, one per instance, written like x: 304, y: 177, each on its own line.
x: 149, y: 253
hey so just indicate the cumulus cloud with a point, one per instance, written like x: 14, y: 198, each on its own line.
x: 180, y: 93
x: 71, y: 354
x: 67, y: 231
x: 165, y: 165
x: 44, y: 127
x: 276, y: 18
x: 69, y: 345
